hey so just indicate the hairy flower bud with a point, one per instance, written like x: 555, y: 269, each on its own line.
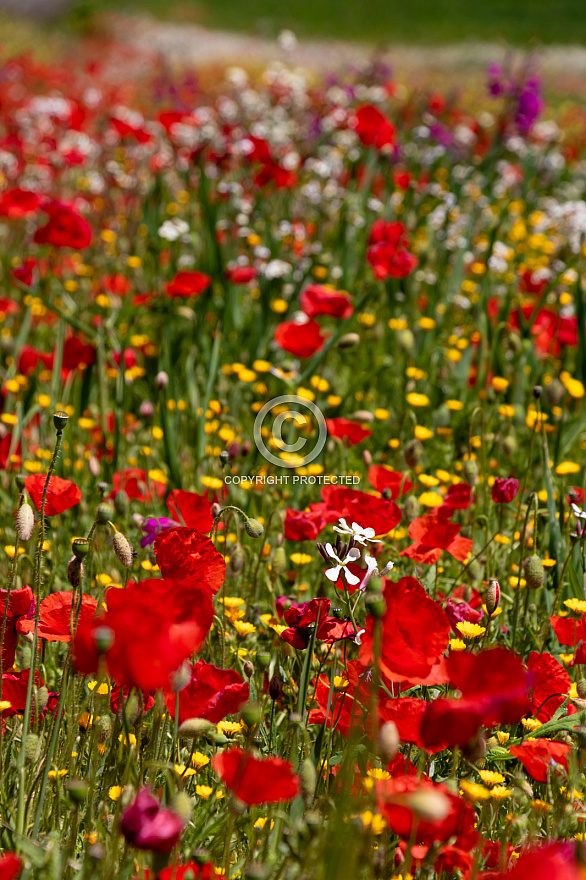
x: 181, y: 677
x: 121, y: 503
x: 388, y: 741
x: 25, y: 521
x: 161, y: 380
x: 122, y: 549
x: 411, y: 508
x: 253, y: 528
x: 193, y: 728
x: 275, y: 687
x: 307, y: 779
x: 105, y: 727
x: 534, y: 572
x: 493, y: 595
x: 413, y: 453
x: 248, y: 668
x: 32, y: 748
x: 75, y: 572
x: 237, y: 559
x: 470, y: 471
x: 279, y: 561
x: 41, y: 699
x: 182, y: 804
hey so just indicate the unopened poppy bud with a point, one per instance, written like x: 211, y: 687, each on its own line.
x: 146, y: 409
x: 246, y: 447
x: 182, y: 805
x: 248, y: 668
x: 41, y: 699
x: 32, y: 748
x: 279, y: 561
x: 80, y: 547
x: 534, y: 572
x: 470, y: 471
x: 493, y: 595
x: 388, y: 741
x: 104, y: 512
x: 348, y: 340
x: 103, y: 638
x: 20, y: 478
x: 554, y: 393
x: 105, y: 727
x: 475, y: 750
x: 251, y: 714
x: 237, y: 558
x: 275, y: 687
x: 122, y: 549
x: 121, y: 503
x: 94, y: 466
x: 161, y: 380
x: 387, y: 494
x: 216, y: 509
x: 581, y: 687
x: 25, y: 521
x: 537, y: 391
x: 367, y: 458
x: 411, y: 508
x: 77, y: 790
x: 307, y: 779
x: 60, y: 419
x: 181, y: 677
x: 413, y: 453
x: 75, y: 572
x: 253, y: 528
x: 193, y: 728
x: 375, y: 604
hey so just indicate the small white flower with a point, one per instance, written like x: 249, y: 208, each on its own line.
x: 581, y: 514
x: 333, y: 573
x: 360, y: 535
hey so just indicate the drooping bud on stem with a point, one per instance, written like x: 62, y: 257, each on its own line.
x: 122, y: 549
x: 25, y: 521
x: 493, y: 595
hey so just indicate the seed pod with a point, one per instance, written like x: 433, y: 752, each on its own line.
x: 75, y: 572
x: 32, y: 747
x: 263, y: 658
x: 279, y: 562
x: 413, y: 453
x: 349, y: 340
x: 182, y: 805
x: 25, y: 521
x: 122, y: 549
x: 104, y: 512
x: 411, y: 508
x: 534, y: 572
x: 80, y: 547
x: 237, y: 559
x: 470, y: 471
x: 442, y: 417
x: 493, y: 595
x: 60, y: 419
x: 307, y: 778
x: 41, y: 699
x: 388, y: 741
x: 193, y: 728
x: 253, y: 528
x: 105, y: 727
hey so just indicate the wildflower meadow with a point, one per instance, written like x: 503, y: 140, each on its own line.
x: 292, y: 443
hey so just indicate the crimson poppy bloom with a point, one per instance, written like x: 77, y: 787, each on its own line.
x: 350, y: 432
x: 256, y: 780
x: 55, y: 616
x: 301, y: 525
x: 65, y: 228
x: 457, y: 497
x: 212, y: 693
x: 301, y: 339
x: 388, y: 252
x: 147, y: 825
x: 369, y: 511
x: 10, y: 866
x: 77, y: 354
x: 373, y: 128
x: 18, y: 202
x: 20, y: 604
x: 14, y: 690
x: 9, y: 458
x: 195, y: 511
x: 494, y: 686
x: 561, y: 860
x: 183, y: 553
x: 569, y: 630
x: 382, y: 477
x: 551, y: 684
x: 346, y: 711
x: 188, y: 871
x: 431, y: 534
x: 62, y: 494
x: 397, y: 800
x: 317, y: 299
x: 415, y: 633
x: 188, y: 284
x: 134, y: 481
x: 302, y: 617
x: 407, y: 713
x: 241, y: 274
x: 153, y: 625
x: 539, y: 756
x: 25, y: 272
x: 504, y: 489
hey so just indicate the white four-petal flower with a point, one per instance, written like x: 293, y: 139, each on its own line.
x: 333, y: 573
x: 360, y: 535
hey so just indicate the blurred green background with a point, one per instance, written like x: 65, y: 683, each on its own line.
x: 384, y: 21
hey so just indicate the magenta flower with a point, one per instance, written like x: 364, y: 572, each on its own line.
x: 504, y: 489
x: 147, y: 825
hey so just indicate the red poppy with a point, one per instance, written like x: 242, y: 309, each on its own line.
x: 188, y: 871
x: 397, y: 801
x: 415, y: 633
x: 317, y: 299
x: 55, y: 616
x: 387, y: 253
x: 551, y: 684
x: 62, y: 495
x: 350, y: 432
x: 120, y: 694
x: 504, y: 489
x: 194, y: 510
x: 241, y: 274
x: 77, y: 354
x: 369, y: 511
x: 188, y: 284
x: 561, y: 860
x: 14, y: 690
x: 65, y: 228
x: 19, y: 202
x: 212, y: 693
x: 494, y: 687
x: 457, y: 497
x: 20, y: 604
x: 256, y: 780
x: 8, y: 306
x: 539, y: 756
x: 135, y: 483
x: 301, y: 339
x: 301, y: 618
x: 431, y: 534
x: 346, y: 712
x: 301, y: 525
x: 569, y: 630
x: 373, y: 128
x: 407, y: 713
x: 382, y: 477
x: 154, y: 625
x: 185, y: 553
x: 9, y: 457
x: 29, y: 358
x: 10, y: 866
x: 25, y: 272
